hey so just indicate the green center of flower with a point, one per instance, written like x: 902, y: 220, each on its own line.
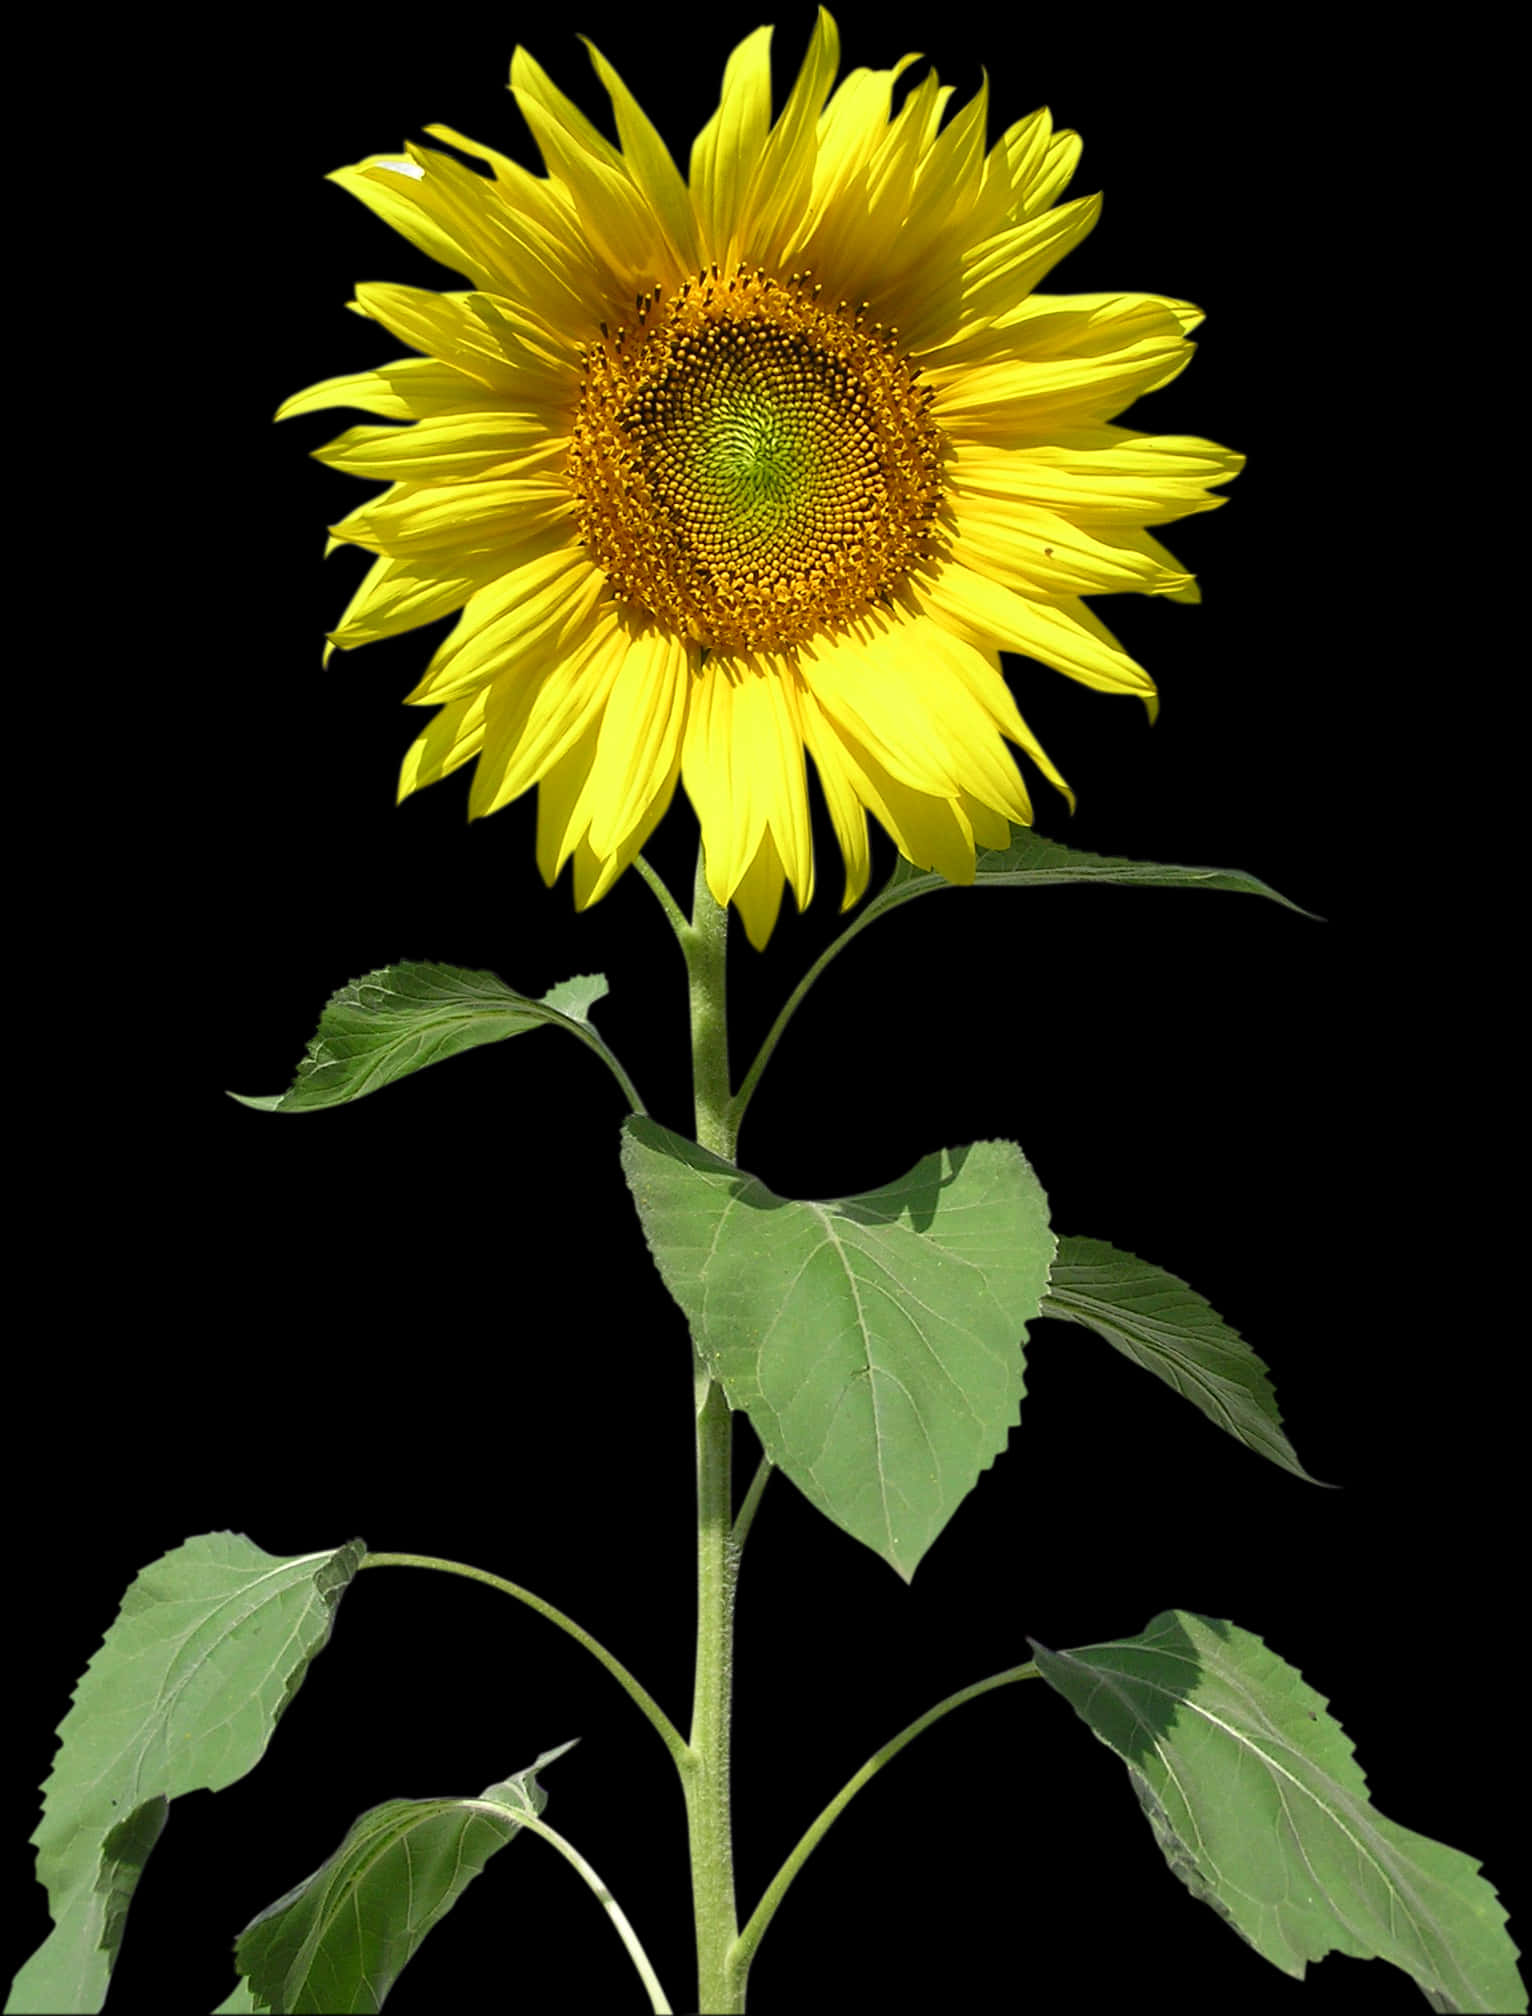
x: 752, y: 466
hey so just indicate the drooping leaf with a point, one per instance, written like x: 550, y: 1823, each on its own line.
x: 340, y: 1940
x: 1260, y: 1808
x: 210, y: 1645
x: 401, y: 1018
x: 1031, y: 862
x: 874, y: 1341
x: 1153, y: 1318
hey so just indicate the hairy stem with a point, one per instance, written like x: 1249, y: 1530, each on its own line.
x: 720, y: 1985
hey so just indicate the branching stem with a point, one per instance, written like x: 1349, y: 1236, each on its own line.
x: 613, y: 1909
x: 670, y: 1736
x: 776, y: 1890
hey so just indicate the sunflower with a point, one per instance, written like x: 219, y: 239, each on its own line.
x: 765, y: 464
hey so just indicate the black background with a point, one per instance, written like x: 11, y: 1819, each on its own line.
x: 429, y: 1319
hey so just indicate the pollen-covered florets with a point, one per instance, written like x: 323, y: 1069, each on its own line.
x: 753, y: 464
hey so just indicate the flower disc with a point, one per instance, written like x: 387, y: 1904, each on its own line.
x: 751, y: 466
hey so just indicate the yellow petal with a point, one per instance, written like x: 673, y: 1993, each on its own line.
x: 897, y: 690
x: 1054, y: 175
x: 1064, y: 635
x: 505, y: 169
x: 995, y: 277
x: 717, y: 778
x: 421, y: 517
x: 790, y: 821
x: 1100, y: 475
x: 613, y: 212
x: 974, y: 704
x: 883, y: 714
x: 560, y: 794
x: 638, y: 748
x: 724, y: 154
x: 847, y: 809
x: 652, y: 169
x: 448, y: 447
x: 401, y: 191
x: 981, y: 669
x: 450, y: 326
x: 1067, y: 360
x: 568, y: 700
x: 758, y: 894
x: 990, y: 828
x: 835, y: 233
x: 778, y: 191
x: 1012, y: 166
x: 400, y: 593
x: 1042, y: 555
x: 771, y: 737
x: 534, y: 610
x: 454, y: 736
x: 593, y: 875
x: 852, y: 123
x: 406, y: 390
x: 1163, y: 558
x: 931, y: 831
x: 527, y: 252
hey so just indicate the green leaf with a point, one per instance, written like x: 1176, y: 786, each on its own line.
x: 1031, y: 862
x: 1157, y: 1321
x: 874, y: 1341
x: 210, y: 1645
x: 401, y: 1018
x: 1262, y: 1811
x: 341, y: 1939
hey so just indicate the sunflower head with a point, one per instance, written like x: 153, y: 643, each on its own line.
x: 765, y: 464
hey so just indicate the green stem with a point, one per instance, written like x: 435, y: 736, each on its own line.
x: 670, y: 1736
x: 613, y: 1909
x: 720, y: 1984
x: 720, y: 1988
x: 747, y: 1511
x: 592, y: 1041
x: 794, y: 1001
x: 776, y: 1890
x: 705, y: 942
x: 667, y: 902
